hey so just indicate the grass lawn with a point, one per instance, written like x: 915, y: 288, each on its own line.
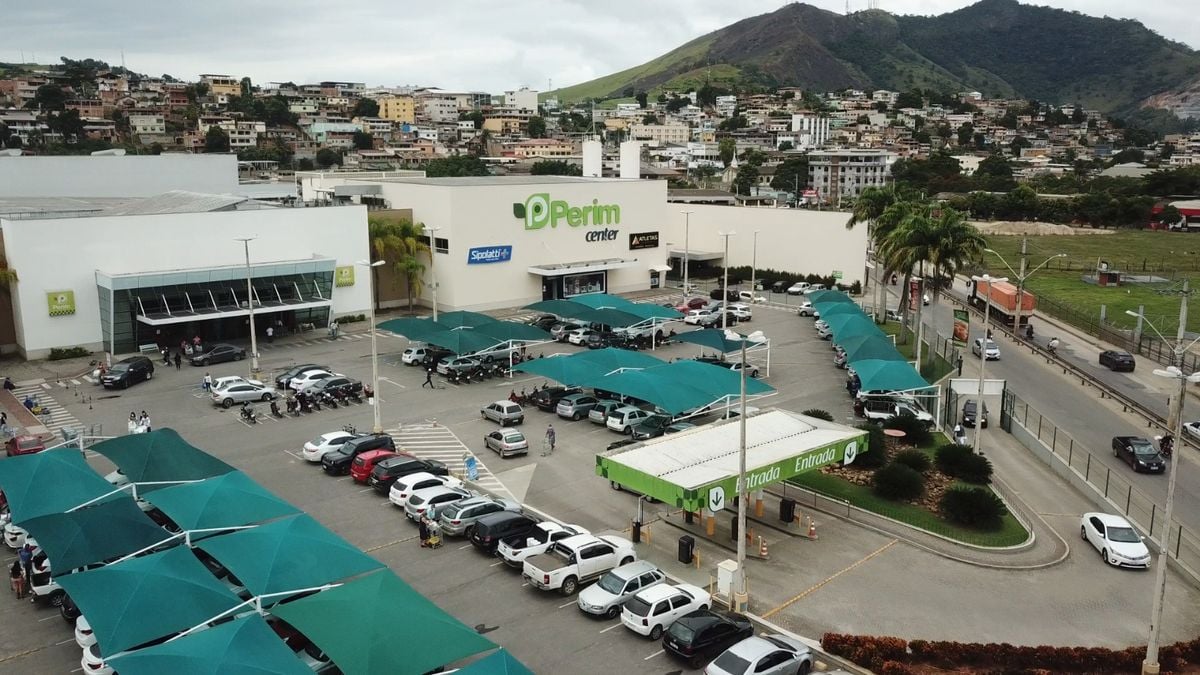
x: 1010, y: 533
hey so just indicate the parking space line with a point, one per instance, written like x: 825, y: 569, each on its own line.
x: 465, y: 546
x: 818, y: 585
x: 653, y: 655
x: 64, y: 642
x: 370, y: 489
x: 496, y: 563
x: 52, y: 616
x: 615, y: 625
x: 299, y: 457
x: 573, y: 602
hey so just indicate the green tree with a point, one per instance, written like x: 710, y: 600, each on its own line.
x: 726, y: 149
x: 1020, y: 203
x: 1168, y: 216
x: 327, y: 157
x: 48, y: 97
x: 676, y: 104
x: 475, y: 117
x: 641, y: 99
x: 786, y: 145
x: 965, y: 133
x: 747, y: 178
x: 910, y: 99
x: 791, y: 175
x: 1128, y: 155
x: 537, y: 127
x: 870, y: 205
x: 305, y: 164
x: 555, y: 167
x: 216, y: 140
x: 1018, y: 143
x: 994, y: 174
x: 363, y: 140
x: 365, y: 107
x: 650, y: 118
x: 247, y: 88
x: 456, y: 165
x: 401, y: 245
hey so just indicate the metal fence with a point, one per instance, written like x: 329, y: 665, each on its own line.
x: 1137, y: 506
x: 1165, y: 267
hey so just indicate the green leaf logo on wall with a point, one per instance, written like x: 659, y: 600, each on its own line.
x: 344, y: 276
x: 60, y: 303
x: 539, y: 210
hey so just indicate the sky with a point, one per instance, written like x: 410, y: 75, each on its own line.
x: 460, y: 44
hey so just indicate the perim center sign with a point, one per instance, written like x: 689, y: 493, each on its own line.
x: 539, y: 210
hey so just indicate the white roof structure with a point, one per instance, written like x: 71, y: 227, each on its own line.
x: 701, y: 456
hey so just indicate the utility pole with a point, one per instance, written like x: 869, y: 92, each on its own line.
x: 1021, y: 283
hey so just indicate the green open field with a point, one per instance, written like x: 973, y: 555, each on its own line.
x: 1173, y: 256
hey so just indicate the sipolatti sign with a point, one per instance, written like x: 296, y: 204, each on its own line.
x: 489, y: 254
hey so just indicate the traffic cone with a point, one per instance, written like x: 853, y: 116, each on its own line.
x: 812, y: 529
x: 762, y: 549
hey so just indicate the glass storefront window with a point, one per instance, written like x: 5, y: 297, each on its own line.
x: 583, y: 284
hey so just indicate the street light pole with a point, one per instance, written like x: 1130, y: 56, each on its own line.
x: 1022, y: 276
x: 687, y: 222
x: 250, y: 308
x: 753, y: 266
x: 740, y: 596
x: 432, y: 268
x: 378, y: 428
x: 979, y: 406
x: 725, y: 283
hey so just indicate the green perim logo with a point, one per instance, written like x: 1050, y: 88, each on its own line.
x: 539, y: 211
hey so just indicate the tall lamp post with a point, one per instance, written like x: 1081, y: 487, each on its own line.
x: 741, y: 598
x: 1175, y: 421
x: 725, y: 283
x: 374, y: 344
x: 687, y: 222
x: 250, y: 307
x: 1022, y: 276
x: 983, y: 358
x: 753, y: 266
x: 430, y: 231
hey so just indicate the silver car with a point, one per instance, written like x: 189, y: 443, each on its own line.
x: 419, y: 501
x: 763, y: 655
x: 599, y: 414
x: 503, y: 413
x: 507, y: 442
x: 576, y: 406
x: 458, y: 519
x: 605, y: 597
x: 241, y: 392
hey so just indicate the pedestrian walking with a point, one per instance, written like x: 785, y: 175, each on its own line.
x: 178, y: 359
x: 207, y: 382
x: 25, y: 557
x: 428, y: 379
x: 333, y: 329
x: 144, y: 421
x: 549, y: 441
x: 270, y: 334
x: 960, y: 361
x: 423, y: 531
x: 133, y: 422
x: 17, y: 579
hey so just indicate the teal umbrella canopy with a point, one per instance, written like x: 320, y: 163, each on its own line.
x: 878, y: 350
x: 564, y: 308
x: 463, y: 341
x: 612, y: 359
x: 229, y: 500
x: 715, y: 338
x: 606, y: 316
x: 881, y: 375
x: 502, y: 331
x: 828, y: 310
x: 412, y: 328
x: 244, y: 646
x: 584, y: 367
x: 602, y: 300
x: 668, y: 393
x: 716, y: 381
x: 846, y: 326
x: 96, y: 533
x: 464, y: 319
x: 828, y: 296
x: 51, y: 481
x: 160, y: 455
x: 499, y: 662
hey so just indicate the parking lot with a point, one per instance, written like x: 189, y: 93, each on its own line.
x: 846, y: 581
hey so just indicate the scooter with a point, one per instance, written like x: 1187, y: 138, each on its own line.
x: 302, y: 405
x: 354, y: 396
x: 293, y: 407
x: 328, y: 399
x: 248, y: 414
x: 275, y: 409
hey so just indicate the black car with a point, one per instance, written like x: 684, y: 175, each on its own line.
x: 651, y: 427
x: 721, y: 294
x: 1139, y: 453
x: 391, y: 469
x: 699, y: 636
x: 547, y: 399
x: 335, y: 383
x: 219, y: 353
x: 620, y: 444
x: 597, y: 340
x: 69, y: 610
x: 493, y: 527
x: 128, y: 371
x: 780, y: 286
x: 544, y: 321
x: 1117, y: 360
x: 337, y: 462
x: 968, y: 415
x: 433, y: 354
x: 281, y: 382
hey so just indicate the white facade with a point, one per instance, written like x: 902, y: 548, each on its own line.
x: 846, y: 173
x: 147, y: 124
x: 114, y: 176
x: 662, y: 133
x: 812, y: 131
x: 166, y: 250
x: 522, y: 99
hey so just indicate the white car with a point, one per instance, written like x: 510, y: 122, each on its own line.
x: 1118, y: 543
x: 84, y: 637
x: 773, y: 654
x: 404, y: 486
x: 318, y: 447
x: 696, y: 316
x: 736, y: 366
x: 308, y: 378
x: 413, y: 356
x: 741, y: 312
x: 806, y: 309
x: 623, y: 419
x: 654, y: 609
x: 515, y: 549
x: 117, y: 478
x: 992, y: 350
x: 579, y: 336
x: 823, y: 330
x: 93, y: 663
x: 797, y: 288
x: 226, y: 380
x: 814, y: 288
x: 749, y: 296
x: 420, y: 500
x: 14, y: 536
x: 1192, y: 429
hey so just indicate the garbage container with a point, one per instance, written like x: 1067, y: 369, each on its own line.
x: 687, y: 549
x: 637, y: 532
x: 733, y: 528
x: 787, y: 510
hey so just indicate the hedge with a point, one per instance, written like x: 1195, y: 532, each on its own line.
x: 898, y: 482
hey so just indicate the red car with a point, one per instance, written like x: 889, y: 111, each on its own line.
x: 23, y: 445
x: 694, y: 303
x: 360, y: 469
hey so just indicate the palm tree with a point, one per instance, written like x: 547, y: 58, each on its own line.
x: 8, y: 276
x: 398, y: 242
x: 868, y: 207
x: 412, y: 269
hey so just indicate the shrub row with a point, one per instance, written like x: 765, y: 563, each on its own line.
x: 976, y: 507
x: 961, y: 462
x: 913, y: 459
x: 352, y: 318
x: 60, y: 353
x: 898, y: 482
x: 874, y: 457
x: 895, y: 656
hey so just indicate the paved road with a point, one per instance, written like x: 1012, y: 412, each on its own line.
x: 849, y: 580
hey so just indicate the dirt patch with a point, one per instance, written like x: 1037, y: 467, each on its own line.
x: 936, y: 482
x: 1034, y: 228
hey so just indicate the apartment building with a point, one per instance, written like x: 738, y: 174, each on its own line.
x: 675, y: 133
x: 245, y: 134
x: 439, y: 107
x: 147, y: 124
x: 811, y: 130
x: 376, y: 126
x: 544, y: 148
x: 87, y: 107
x: 507, y: 123
x: 847, y: 172
x: 521, y: 99
x: 305, y: 106
x: 402, y: 109
x: 726, y: 105
x: 222, y: 85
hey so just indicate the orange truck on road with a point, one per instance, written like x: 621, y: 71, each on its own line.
x: 1003, y: 300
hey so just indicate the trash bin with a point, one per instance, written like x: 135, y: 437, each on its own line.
x: 733, y: 528
x: 637, y: 532
x: 687, y: 549
x: 787, y: 510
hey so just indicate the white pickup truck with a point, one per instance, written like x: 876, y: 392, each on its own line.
x: 577, y: 560
x: 879, y: 410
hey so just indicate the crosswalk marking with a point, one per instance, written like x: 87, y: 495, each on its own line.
x: 56, y: 417
x: 432, y: 441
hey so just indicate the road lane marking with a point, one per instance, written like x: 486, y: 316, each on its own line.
x: 370, y: 489
x: 818, y: 585
x: 64, y: 642
x: 46, y: 618
x: 653, y: 655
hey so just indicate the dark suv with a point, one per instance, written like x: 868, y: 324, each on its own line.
x: 547, y: 399
x: 389, y: 470
x: 493, y: 527
x: 338, y: 462
x: 128, y: 371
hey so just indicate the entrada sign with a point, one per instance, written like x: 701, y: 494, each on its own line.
x: 489, y: 254
x: 843, y: 451
x: 539, y: 210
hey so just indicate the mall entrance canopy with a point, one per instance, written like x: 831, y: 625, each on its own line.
x: 698, y: 468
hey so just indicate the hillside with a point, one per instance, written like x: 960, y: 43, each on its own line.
x: 998, y: 47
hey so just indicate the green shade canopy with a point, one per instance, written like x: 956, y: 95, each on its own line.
x: 49, y: 482
x: 464, y: 319
x: 499, y: 662
x: 672, y: 395
x: 647, y: 310
x: 582, y: 367
x: 160, y: 455
x: 832, y: 309
x: 720, y: 340
x: 503, y: 331
x: 228, y: 500
x: 461, y: 341
x: 715, y: 380
x: 606, y: 316
x: 828, y: 296
x: 359, y: 623
x: 602, y: 300
x: 97, y: 533
x: 144, y: 598
x: 844, y: 326
x: 564, y: 308
x: 881, y: 375
x: 245, y: 646
x: 288, y: 554
x: 862, y: 347
x: 411, y: 328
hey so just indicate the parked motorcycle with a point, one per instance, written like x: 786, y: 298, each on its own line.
x: 293, y: 407
x: 248, y: 414
x: 328, y: 399
x: 354, y: 396
x: 275, y: 409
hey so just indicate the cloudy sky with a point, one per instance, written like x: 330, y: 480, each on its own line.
x: 460, y: 44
